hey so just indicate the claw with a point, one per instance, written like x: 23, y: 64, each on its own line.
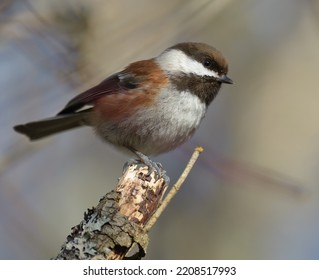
x: 152, y: 166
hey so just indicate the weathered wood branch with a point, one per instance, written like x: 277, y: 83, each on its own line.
x: 123, y: 217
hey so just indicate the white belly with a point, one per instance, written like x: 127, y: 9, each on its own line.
x: 163, y: 127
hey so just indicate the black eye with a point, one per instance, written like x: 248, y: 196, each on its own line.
x: 208, y: 62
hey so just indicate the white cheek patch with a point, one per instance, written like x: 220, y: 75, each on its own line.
x: 178, y: 61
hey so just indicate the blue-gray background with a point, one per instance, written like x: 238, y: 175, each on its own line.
x: 253, y: 195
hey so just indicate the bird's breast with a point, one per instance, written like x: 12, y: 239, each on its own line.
x: 170, y: 120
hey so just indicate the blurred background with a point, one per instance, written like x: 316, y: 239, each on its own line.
x: 253, y: 194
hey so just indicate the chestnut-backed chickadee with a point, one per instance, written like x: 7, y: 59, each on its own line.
x: 150, y: 107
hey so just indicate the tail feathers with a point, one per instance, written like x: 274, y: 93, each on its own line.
x: 43, y: 128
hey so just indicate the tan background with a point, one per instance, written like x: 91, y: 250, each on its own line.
x: 253, y: 195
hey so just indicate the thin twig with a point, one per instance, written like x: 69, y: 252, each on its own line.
x: 174, y: 189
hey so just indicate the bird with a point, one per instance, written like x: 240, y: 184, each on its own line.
x: 150, y: 107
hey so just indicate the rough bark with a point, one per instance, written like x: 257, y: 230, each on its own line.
x: 115, y: 225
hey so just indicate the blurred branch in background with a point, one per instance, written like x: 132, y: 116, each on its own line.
x: 52, y: 51
x: 4, y: 5
x: 240, y: 173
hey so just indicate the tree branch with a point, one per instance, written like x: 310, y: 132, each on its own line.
x: 123, y: 216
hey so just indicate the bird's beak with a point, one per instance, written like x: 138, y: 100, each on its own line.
x: 224, y: 79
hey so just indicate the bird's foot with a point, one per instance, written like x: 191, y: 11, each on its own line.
x: 155, y: 167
